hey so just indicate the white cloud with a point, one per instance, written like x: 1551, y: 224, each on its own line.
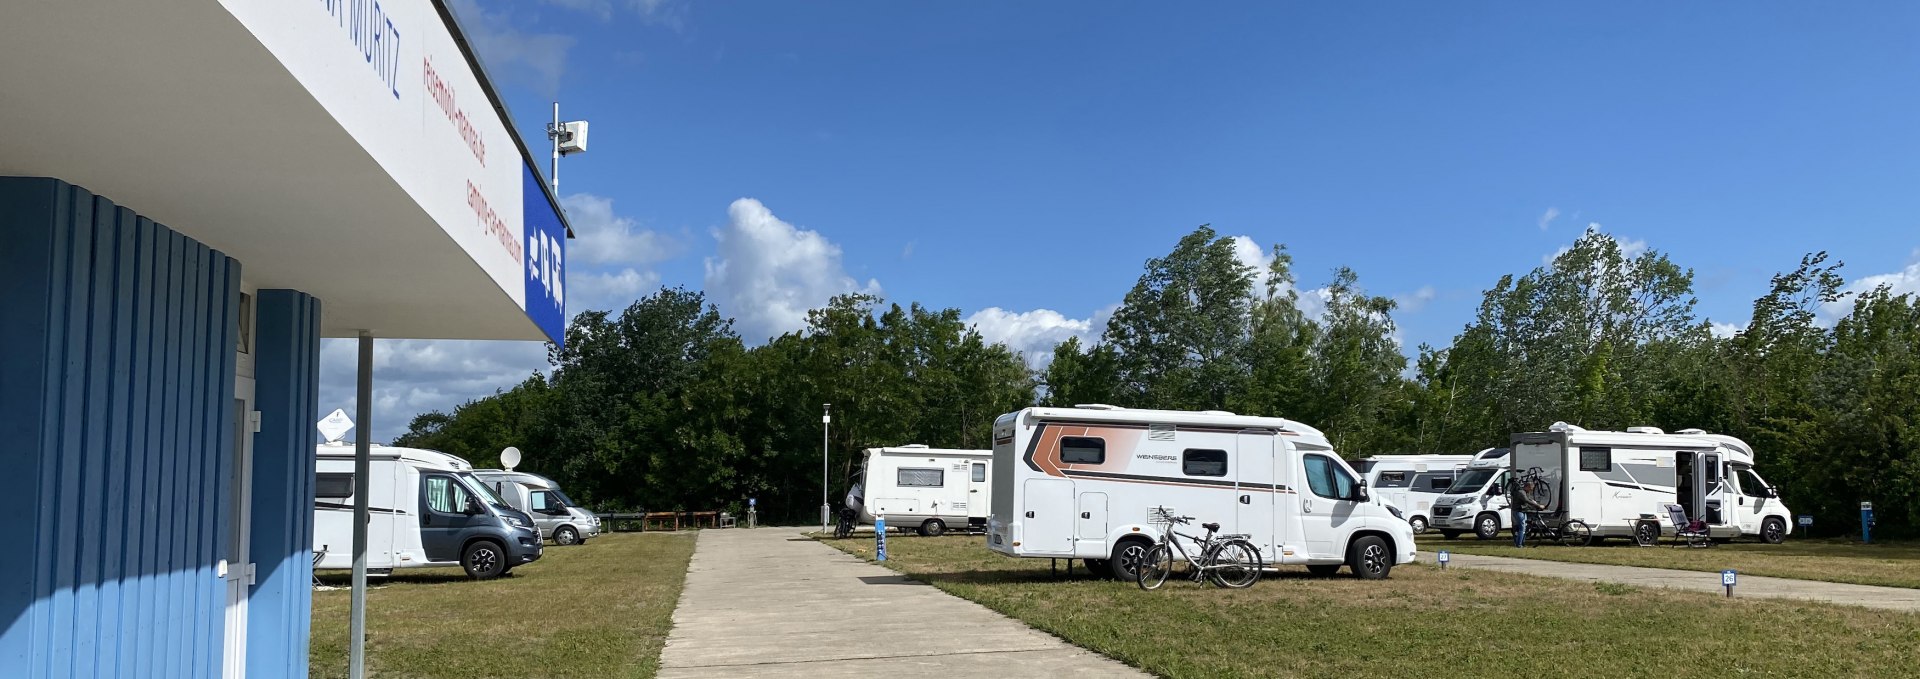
x: 1903, y: 282
x: 603, y: 237
x: 1546, y: 218
x: 767, y: 273
x: 414, y: 376
x: 1724, y: 330
x: 510, y: 53
x: 669, y: 13
x: 1416, y: 300
x: 1249, y: 252
x: 1629, y: 247
x: 608, y: 291
x: 1034, y: 333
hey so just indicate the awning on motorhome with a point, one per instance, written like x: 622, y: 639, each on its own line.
x: 347, y: 149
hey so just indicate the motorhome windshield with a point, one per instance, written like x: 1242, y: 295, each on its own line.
x: 1472, y: 481
x: 562, y: 497
x: 483, y: 490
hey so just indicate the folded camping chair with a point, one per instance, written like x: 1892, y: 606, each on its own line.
x: 1690, y: 532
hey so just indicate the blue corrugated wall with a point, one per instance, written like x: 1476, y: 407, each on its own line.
x: 286, y: 370
x: 116, y: 422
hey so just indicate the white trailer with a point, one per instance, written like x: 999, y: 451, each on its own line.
x: 1411, y: 482
x: 425, y: 508
x: 1079, y: 483
x: 1619, y: 483
x: 928, y: 489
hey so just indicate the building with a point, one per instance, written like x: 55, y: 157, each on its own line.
x: 192, y: 194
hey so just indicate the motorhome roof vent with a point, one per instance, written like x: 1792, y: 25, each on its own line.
x: 1217, y: 413
x: 1162, y: 432
x: 1562, y: 426
x: 914, y: 445
x: 1691, y: 432
x: 1095, y: 406
x: 1644, y: 430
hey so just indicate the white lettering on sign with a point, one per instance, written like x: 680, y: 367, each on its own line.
x: 543, y: 266
x: 371, y: 30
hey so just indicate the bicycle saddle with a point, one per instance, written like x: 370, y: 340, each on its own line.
x: 1211, y: 527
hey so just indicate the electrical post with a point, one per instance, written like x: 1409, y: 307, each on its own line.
x: 553, y: 135
x: 826, y: 423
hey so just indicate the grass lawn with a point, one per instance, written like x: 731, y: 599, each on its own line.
x: 1893, y: 564
x: 1422, y: 622
x: 601, y: 609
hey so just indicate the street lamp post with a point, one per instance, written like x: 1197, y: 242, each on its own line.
x: 826, y: 423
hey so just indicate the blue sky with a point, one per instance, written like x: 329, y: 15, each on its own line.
x: 1020, y: 162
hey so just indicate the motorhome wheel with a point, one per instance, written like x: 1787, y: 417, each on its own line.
x: 1487, y: 526
x: 1369, y: 558
x: 1127, y: 557
x: 1419, y: 524
x: 933, y: 528
x: 1646, y: 534
x: 1097, y: 567
x: 1449, y: 534
x: 1774, y: 530
x: 484, y: 560
x: 1324, y: 569
x: 566, y: 535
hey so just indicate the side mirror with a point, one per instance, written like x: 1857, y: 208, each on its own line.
x: 1360, y: 493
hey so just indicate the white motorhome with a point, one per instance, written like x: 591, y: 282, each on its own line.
x: 1411, y: 482
x: 1477, y: 501
x: 425, y: 508
x: 1079, y: 483
x: 1620, y: 483
x: 928, y: 489
x: 558, y: 517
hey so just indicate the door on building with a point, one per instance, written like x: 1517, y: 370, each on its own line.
x: 444, y: 517
x: 237, y: 570
x: 1254, y: 477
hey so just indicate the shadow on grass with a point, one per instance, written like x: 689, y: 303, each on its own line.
x: 345, y: 578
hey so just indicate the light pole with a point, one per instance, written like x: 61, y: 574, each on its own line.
x: 826, y: 423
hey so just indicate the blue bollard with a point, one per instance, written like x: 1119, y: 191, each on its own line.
x: 879, y: 538
x: 1866, y: 522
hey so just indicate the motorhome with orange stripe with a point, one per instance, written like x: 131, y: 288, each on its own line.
x: 1077, y: 483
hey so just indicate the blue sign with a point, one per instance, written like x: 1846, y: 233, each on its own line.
x: 1806, y: 519
x: 750, y: 502
x: 1445, y: 556
x: 879, y: 538
x: 1728, y: 576
x: 545, y: 255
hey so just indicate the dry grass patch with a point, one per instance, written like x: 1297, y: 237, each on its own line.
x: 602, y: 609
x: 1889, y: 564
x: 1421, y: 622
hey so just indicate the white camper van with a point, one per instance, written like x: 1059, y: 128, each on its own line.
x: 1079, y: 482
x: 929, y: 489
x: 425, y: 508
x: 1620, y: 483
x: 556, y: 515
x: 1477, y: 501
x: 1411, y: 482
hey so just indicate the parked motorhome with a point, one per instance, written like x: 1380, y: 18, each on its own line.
x: 1477, y: 501
x: 425, y: 508
x: 930, y: 490
x: 558, y: 517
x: 1079, y: 483
x: 1620, y: 483
x: 1411, y: 482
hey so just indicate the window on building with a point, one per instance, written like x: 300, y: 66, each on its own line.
x: 444, y: 495
x: 979, y: 472
x: 921, y: 477
x: 1596, y: 459
x: 333, y: 485
x: 1199, y: 462
x: 1083, y: 450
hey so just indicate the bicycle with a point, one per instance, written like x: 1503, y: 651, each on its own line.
x: 1533, y: 497
x: 1557, y: 528
x: 1230, y: 561
x: 843, y: 528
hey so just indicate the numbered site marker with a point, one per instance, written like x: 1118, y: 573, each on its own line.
x: 1445, y: 556
x: 880, y: 538
x: 1727, y: 578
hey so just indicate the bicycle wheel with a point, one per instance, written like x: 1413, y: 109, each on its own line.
x: 1234, y: 564
x: 1154, y: 567
x: 1576, y: 534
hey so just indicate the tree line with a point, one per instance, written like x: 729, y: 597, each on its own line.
x: 663, y: 407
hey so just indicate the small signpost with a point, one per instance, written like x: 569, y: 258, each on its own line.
x: 1727, y: 578
x: 335, y: 425
x: 879, y: 538
x: 1806, y: 520
x: 1445, y: 556
x: 1866, y: 522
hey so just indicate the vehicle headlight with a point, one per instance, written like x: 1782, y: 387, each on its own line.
x: 515, y: 520
x: 1396, y: 512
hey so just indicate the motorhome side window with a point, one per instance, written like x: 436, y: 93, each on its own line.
x: 1204, y: 462
x: 979, y: 473
x: 1596, y: 459
x: 1432, y: 483
x: 921, y: 477
x: 445, y: 496
x: 1392, y: 480
x: 542, y: 501
x: 1327, y: 479
x: 1083, y: 450
x: 332, y: 485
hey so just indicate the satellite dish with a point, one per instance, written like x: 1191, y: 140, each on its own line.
x: 510, y: 458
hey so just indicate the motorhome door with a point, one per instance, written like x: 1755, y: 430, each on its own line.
x: 979, y: 501
x: 1254, y: 475
x: 443, y: 516
x: 1048, y: 522
x: 1698, y: 474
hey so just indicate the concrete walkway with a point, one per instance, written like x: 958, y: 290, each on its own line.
x: 1749, y: 586
x: 770, y: 602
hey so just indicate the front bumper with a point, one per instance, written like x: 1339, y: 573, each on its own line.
x: 527, y: 547
x: 1456, y: 517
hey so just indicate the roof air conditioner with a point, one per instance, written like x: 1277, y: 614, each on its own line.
x: 1095, y: 406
